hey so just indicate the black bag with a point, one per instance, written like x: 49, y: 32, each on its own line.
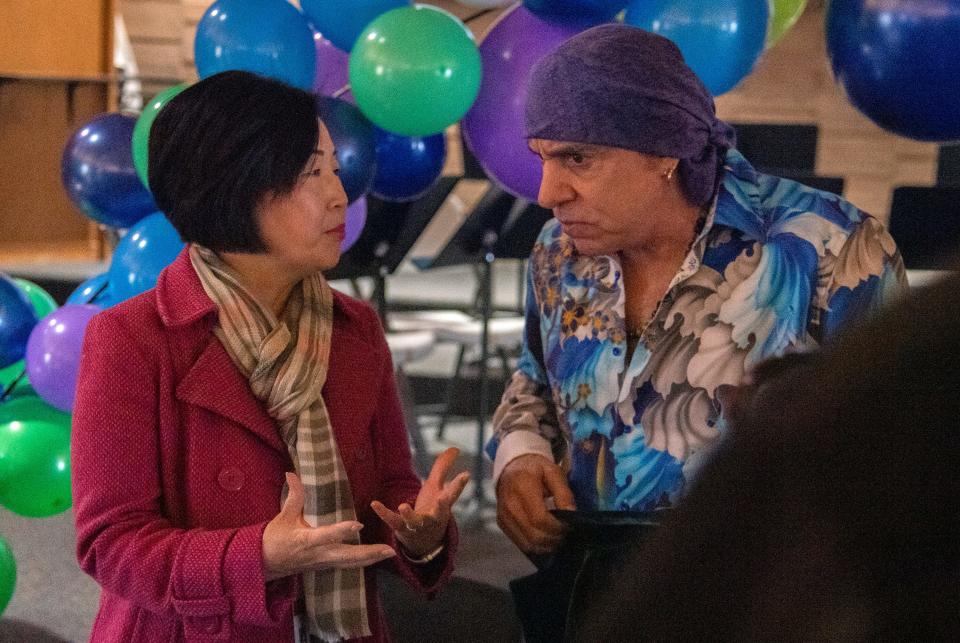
x: 546, y: 599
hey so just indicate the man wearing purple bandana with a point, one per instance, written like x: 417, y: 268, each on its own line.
x: 671, y: 268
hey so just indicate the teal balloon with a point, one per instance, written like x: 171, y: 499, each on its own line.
x: 95, y: 290
x: 8, y: 574
x: 148, y: 247
x: 43, y: 303
x: 34, y: 459
x: 415, y: 70
x: 720, y: 39
x: 267, y: 37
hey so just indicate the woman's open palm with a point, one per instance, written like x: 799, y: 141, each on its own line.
x: 421, y: 528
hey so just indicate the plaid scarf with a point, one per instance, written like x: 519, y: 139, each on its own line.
x: 286, y: 363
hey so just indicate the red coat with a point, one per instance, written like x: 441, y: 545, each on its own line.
x: 177, y: 469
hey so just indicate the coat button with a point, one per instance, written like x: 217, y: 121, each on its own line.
x: 231, y: 478
x: 362, y: 452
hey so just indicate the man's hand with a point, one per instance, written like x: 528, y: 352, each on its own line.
x: 522, y: 513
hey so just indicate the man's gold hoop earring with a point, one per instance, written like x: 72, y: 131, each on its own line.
x: 668, y: 175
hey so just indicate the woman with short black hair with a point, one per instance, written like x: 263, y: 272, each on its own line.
x: 212, y: 157
x: 198, y: 400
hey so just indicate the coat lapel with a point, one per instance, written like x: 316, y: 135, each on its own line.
x: 215, y: 383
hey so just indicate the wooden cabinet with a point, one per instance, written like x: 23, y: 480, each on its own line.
x: 55, y: 74
x: 56, y: 38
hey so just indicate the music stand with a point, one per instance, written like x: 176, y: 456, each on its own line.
x: 948, y: 166
x: 925, y: 222
x: 499, y: 226
x: 390, y: 232
x: 775, y: 148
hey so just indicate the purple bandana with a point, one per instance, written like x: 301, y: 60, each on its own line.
x: 624, y: 87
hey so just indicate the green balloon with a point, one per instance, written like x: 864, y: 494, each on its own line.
x: 33, y: 408
x: 34, y: 459
x: 8, y: 574
x: 415, y: 70
x: 43, y: 304
x: 141, y: 131
x: 783, y: 15
x: 9, y: 375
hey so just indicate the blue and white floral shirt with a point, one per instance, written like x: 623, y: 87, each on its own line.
x: 778, y: 267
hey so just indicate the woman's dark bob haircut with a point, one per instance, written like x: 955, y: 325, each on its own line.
x: 222, y: 145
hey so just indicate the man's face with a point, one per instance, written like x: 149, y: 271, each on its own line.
x: 607, y: 199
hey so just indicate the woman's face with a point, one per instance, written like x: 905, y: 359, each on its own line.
x: 303, y: 229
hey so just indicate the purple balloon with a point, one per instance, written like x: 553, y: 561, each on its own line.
x: 53, y: 353
x: 493, y: 128
x: 356, y: 219
x: 332, y: 72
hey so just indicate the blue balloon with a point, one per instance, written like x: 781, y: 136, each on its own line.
x: 580, y: 13
x: 95, y: 290
x: 353, y: 136
x: 407, y: 165
x: 267, y: 37
x: 140, y: 256
x: 720, y: 40
x: 899, y: 64
x: 17, y: 319
x: 341, y: 21
x: 98, y: 172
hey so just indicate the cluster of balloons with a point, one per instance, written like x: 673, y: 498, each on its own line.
x: 103, y: 169
x: 40, y: 344
x: 390, y: 75
x: 38, y: 363
x: 383, y: 68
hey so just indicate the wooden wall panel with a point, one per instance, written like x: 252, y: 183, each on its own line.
x: 58, y: 60
x: 34, y: 207
x: 159, y: 60
x: 155, y: 29
x: 56, y: 38
x: 152, y: 20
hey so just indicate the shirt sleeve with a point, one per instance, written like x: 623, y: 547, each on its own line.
x: 866, y: 277
x: 526, y: 422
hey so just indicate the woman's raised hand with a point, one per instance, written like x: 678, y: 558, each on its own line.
x: 291, y: 546
x: 421, y: 528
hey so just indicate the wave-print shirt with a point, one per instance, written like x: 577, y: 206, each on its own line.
x: 778, y: 267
